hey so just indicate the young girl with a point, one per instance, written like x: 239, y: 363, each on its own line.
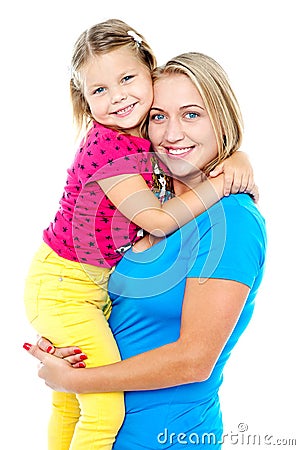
x: 106, y: 201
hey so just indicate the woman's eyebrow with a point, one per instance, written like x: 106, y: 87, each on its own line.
x: 156, y: 108
x: 181, y: 108
x: 192, y: 106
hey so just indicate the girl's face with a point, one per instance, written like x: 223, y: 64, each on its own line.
x: 118, y: 89
x: 180, y: 129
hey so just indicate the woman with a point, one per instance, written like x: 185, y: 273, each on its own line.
x: 180, y: 303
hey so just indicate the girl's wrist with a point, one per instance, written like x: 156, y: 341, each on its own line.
x: 218, y: 185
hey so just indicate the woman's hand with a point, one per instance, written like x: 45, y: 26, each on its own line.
x: 73, y: 354
x: 57, y: 372
x: 238, y: 175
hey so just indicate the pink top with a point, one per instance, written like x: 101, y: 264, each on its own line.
x: 87, y: 227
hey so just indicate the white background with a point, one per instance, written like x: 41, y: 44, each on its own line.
x: 257, y: 42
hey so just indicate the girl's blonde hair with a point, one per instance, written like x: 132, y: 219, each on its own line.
x: 98, y: 40
x: 219, y: 99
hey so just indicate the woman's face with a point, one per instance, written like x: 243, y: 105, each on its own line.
x: 180, y: 128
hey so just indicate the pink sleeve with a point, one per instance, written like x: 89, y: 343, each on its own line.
x: 109, y: 154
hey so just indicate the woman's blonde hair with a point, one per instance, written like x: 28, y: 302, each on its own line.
x: 98, y: 40
x: 219, y: 99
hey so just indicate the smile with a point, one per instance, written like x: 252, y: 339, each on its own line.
x: 179, y: 151
x: 124, y: 111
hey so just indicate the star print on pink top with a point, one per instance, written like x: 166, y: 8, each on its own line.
x: 87, y: 227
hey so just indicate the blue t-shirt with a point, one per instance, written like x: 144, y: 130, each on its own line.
x: 147, y: 290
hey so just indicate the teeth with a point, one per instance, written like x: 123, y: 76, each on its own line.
x: 179, y: 151
x: 122, y: 111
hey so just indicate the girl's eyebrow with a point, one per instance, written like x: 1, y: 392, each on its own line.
x: 94, y: 85
x: 121, y: 75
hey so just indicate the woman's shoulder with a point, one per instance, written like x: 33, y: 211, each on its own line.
x: 242, y: 208
x: 244, y: 224
x: 232, y: 240
x: 234, y: 217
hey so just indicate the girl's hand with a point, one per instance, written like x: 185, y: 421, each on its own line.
x: 238, y: 175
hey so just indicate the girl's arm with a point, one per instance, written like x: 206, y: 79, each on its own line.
x: 238, y: 175
x: 210, y: 312
x: 133, y: 198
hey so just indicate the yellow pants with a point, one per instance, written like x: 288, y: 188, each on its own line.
x: 68, y: 303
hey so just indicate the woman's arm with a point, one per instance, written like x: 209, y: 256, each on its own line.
x: 210, y: 312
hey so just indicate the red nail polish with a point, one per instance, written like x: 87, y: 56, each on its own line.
x: 77, y: 351
x: 50, y: 349
x: 81, y: 364
x: 27, y: 346
x: 82, y: 357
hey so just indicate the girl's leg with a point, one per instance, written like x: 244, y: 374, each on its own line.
x: 65, y: 415
x: 66, y: 306
x: 42, y: 308
x: 102, y: 414
x: 83, y: 320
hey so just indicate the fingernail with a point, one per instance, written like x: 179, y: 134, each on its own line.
x: 50, y: 349
x: 81, y: 364
x: 27, y: 346
x: 77, y: 351
x: 82, y: 357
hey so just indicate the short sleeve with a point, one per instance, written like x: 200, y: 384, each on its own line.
x: 107, y: 153
x: 232, y: 243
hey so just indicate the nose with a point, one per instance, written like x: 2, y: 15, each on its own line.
x: 118, y: 93
x: 174, y: 131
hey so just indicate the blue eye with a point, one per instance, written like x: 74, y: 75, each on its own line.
x: 192, y: 115
x: 99, y: 90
x: 127, y: 78
x: 157, y: 117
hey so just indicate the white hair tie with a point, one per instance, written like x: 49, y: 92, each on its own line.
x: 135, y: 37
